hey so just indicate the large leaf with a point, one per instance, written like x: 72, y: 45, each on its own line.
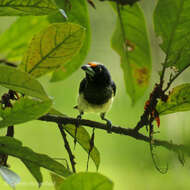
x: 19, y: 81
x: 83, y: 138
x: 13, y: 147
x: 178, y: 101
x: 87, y: 181
x: 26, y: 7
x: 172, y: 23
x: 52, y: 48
x: 14, y: 40
x: 78, y: 13
x: 23, y: 110
x: 130, y: 41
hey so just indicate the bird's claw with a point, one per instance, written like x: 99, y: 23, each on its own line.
x: 109, y: 126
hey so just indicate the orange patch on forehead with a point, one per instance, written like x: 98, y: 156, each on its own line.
x: 93, y: 64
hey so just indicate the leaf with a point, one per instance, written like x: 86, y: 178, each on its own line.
x: 15, y: 148
x: 123, y: 2
x: 26, y: 7
x: 55, y: 112
x: 178, y: 100
x: 87, y: 181
x: 83, y: 138
x: 9, y: 176
x: 34, y: 170
x: 23, y: 110
x: 130, y: 41
x: 78, y: 13
x: 172, y: 24
x: 52, y: 48
x: 57, y: 180
x: 11, y: 42
x: 19, y: 81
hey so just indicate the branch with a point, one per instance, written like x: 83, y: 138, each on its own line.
x: 117, y: 130
x: 67, y: 147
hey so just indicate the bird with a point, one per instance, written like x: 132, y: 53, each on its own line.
x: 96, y: 91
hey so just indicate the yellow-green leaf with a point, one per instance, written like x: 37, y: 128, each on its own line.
x: 52, y: 48
x: 22, y: 82
x: 87, y: 181
x: 23, y: 110
x: 26, y: 7
x: 178, y: 101
x: 83, y: 138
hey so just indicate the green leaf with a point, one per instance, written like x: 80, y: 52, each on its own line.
x: 52, y: 48
x: 130, y: 41
x: 11, y: 42
x: 83, y: 138
x: 26, y: 7
x: 34, y: 170
x: 55, y: 112
x: 172, y: 24
x: 178, y: 101
x: 19, y: 81
x: 13, y: 147
x: 23, y: 110
x: 57, y: 180
x: 123, y: 2
x: 77, y: 14
x: 87, y: 181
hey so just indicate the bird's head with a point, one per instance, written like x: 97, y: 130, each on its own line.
x: 96, y: 72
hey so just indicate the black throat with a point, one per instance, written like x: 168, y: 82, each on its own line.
x: 98, y: 89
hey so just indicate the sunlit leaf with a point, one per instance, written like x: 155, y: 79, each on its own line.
x: 83, y: 138
x: 19, y: 81
x: 26, y: 7
x: 14, y: 148
x: 87, y: 181
x: 14, y: 41
x: 78, y: 13
x: 178, y: 101
x: 9, y: 176
x: 130, y: 41
x: 23, y: 110
x: 52, y: 48
x: 172, y: 24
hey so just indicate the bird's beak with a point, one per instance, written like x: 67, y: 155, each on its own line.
x: 88, y: 70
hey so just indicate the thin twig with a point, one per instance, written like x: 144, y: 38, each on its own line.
x: 67, y: 147
x: 175, y: 77
x: 8, y: 63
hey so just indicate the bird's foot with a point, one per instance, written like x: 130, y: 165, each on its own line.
x: 109, y: 126
x: 79, y: 117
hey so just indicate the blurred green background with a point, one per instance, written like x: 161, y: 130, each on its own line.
x: 126, y: 161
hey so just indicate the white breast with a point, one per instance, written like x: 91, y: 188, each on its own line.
x: 84, y: 106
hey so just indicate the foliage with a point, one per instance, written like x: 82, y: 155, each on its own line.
x: 130, y: 41
x: 55, y: 43
x: 87, y: 181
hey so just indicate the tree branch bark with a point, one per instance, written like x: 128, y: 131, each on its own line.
x: 117, y: 130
